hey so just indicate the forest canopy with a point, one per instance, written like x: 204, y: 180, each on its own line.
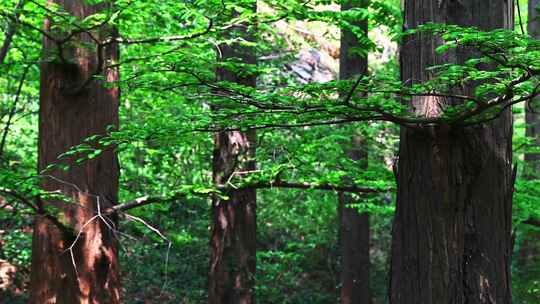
x: 280, y: 151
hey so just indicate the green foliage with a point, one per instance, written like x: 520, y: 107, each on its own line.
x: 171, y: 103
x: 17, y: 246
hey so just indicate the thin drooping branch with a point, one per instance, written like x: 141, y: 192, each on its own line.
x: 155, y: 40
x: 100, y: 45
x: 361, y: 113
x: 21, y: 198
x: 141, y: 201
x: 518, y: 8
x: 13, y: 110
x: 12, y: 28
x: 532, y: 222
x: 358, y: 113
x: 59, y: 42
x: 147, y: 200
x: 38, y: 209
x: 314, y: 186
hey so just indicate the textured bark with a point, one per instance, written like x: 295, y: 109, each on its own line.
x: 354, y: 247
x: 452, y: 228
x: 65, y: 121
x: 354, y: 227
x: 233, y: 240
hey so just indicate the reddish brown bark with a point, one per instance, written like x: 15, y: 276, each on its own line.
x: 452, y: 229
x: 354, y: 227
x: 66, y: 120
x: 233, y: 248
x: 233, y: 240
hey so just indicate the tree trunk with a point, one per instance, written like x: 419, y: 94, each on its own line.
x: 89, y: 272
x: 233, y: 240
x: 354, y: 246
x: 354, y: 227
x: 452, y: 228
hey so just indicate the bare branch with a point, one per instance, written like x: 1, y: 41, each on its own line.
x: 532, y: 222
x: 147, y: 200
x: 25, y: 201
x: 139, y: 202
x: 314, y: 186
x: 161, y: 39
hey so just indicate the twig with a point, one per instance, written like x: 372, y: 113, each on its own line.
x: 162, y: 236
x: 314, y: 186
x: 532, y: 221
x: 13, y: 110
x: 161, y: 39
x: 519, y: 17
x: 12, y: 27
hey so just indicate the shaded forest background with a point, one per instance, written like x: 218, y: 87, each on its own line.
x: 165, y: 258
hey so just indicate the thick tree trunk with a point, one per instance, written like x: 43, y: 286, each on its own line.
x: 90, y: 273
x: 354, y: 227
x: 233, y: 240
x: 452, y: 228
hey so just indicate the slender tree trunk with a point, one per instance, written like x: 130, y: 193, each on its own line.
x: 354, y: 246
x: 354, y: 227
x: 89, y: 272
x: 452, y: 228
x: 233, y: 240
